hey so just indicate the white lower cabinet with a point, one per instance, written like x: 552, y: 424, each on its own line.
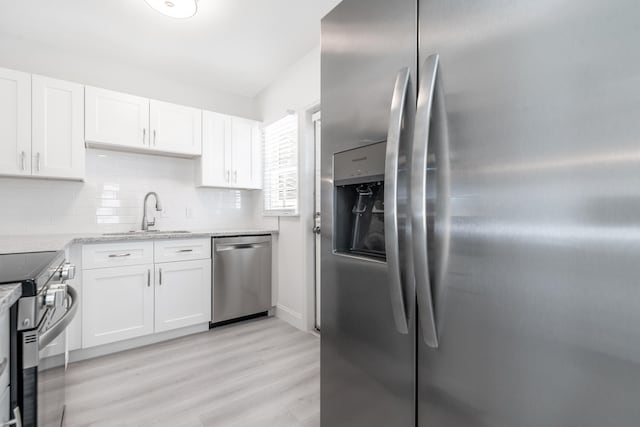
x: 183, y: 294
x: 167, y: 288
x: 118, y: 304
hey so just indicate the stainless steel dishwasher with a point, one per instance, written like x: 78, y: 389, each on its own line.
x: 242, y: 277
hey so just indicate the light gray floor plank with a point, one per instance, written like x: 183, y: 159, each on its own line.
x: 258, y: 373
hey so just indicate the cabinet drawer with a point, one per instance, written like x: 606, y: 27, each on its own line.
x: 117, y: 254
x: 182, y: 250
x: 4, y: 350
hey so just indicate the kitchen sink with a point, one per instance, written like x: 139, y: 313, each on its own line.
x: 140, y: 232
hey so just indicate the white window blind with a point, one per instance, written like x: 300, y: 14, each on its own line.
x: 281, y: 167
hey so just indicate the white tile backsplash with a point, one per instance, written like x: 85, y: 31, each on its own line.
x: 111, y: 198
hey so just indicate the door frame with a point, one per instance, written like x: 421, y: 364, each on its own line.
x: 307, y: 176
x: 316, y: 123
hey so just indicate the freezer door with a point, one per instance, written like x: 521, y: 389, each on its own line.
x: 369, y: 54
x: 536, y: 300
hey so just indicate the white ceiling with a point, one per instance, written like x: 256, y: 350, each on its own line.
x: 234, y: 46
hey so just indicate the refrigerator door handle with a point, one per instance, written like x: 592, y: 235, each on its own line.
x: 391, y: 199
x: 427, y: 114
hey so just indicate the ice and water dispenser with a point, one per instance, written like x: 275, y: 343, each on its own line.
x: 359, y: 201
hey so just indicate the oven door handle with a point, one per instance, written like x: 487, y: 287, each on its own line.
x: 54, y: 331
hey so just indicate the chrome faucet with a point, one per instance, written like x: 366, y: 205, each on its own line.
x: 145, y: 222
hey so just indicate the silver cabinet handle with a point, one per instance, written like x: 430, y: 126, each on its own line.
x: 184, y: 251
x: 149, y: 278
x: 160, y: 276
x: 430, y: 123
x: 235, y: 176
x: 38, y: 162
x: 228, y: 175
x: 144, y: 136
x: 22, y: 160
x: 16, y: 421
x: 154, y: 137
x: 119, y: 255
x: 392, y: 159
x: 3, y: 365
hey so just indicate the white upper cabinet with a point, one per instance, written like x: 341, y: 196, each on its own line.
x: 57, y: 147
x: 113, y: 118
x: 175, y: 128
x: 41, y: 127
x: 241, y: 152
x: 125, y: 122
x: 15, y: 123
x: 216, y: 152
x: 231, y: 152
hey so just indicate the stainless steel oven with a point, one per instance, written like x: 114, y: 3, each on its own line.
x: 45, y: 310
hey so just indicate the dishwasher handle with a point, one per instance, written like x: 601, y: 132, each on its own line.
x: 233, y: 246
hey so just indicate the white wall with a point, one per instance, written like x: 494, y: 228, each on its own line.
x: 32, y: 57
x: 111, y: 198
x: 297, y: 89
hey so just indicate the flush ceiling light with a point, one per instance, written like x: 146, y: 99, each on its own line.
x: 175, y: 8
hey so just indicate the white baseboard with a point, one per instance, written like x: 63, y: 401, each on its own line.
x: 290, y: 316
x: 102, y: 350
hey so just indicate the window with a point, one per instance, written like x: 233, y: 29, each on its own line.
x: 281, y: 167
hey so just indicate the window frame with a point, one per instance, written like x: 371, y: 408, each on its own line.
x: 267, y: 188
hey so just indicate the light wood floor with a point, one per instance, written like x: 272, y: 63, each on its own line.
x: 262, y: 373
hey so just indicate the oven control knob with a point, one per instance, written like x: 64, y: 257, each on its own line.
x: 68, y: 272
x: 55, y: 296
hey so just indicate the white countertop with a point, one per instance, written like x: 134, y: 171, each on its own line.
x: 56, y: 242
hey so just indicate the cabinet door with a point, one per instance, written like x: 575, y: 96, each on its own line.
x: 113, y: 118
x: 241, y: 149
x: 183, y: 294
x: 215, y: 163
x: 117, y: 304
x: 15, y: 122
x: 176, y: 128
x: 57, y: 128
x: 256, y: 152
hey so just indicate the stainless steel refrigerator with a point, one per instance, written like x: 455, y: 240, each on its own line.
x: 481, y: 203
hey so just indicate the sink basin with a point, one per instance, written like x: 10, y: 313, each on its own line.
x: 140, y: 232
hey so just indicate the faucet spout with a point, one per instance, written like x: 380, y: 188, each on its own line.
x: 145, y: 222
